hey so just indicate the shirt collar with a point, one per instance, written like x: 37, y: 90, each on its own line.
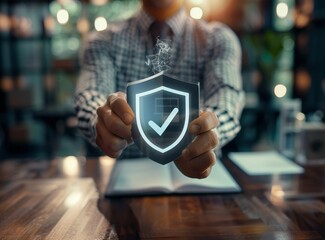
x: 176, y: 22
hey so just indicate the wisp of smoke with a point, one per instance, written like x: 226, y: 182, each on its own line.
x: 160, y: 59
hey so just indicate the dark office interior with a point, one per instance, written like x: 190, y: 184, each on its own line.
x: 282, y: 61
x: 53, y: 181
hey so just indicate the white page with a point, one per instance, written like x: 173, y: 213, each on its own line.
x: 263, y: 163
x: 219, y: 180
x: 139, y: 175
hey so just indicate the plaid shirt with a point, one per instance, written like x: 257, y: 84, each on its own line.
x: 201, y: 52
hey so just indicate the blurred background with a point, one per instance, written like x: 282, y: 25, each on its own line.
x: 283, y: 69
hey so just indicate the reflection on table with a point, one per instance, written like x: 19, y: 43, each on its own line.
x: 63, y: 199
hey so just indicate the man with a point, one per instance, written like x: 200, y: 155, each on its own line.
x: 206, y: 53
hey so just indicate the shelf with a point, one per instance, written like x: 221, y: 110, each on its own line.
x: 30, y: 38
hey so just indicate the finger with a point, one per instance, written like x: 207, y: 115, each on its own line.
x: 205, y: 122
x: 200, y: 164
x: 201, y: 144
x: 113, y: 123
x: 115, y: 143
x: 118, y: 104
x: 107, y: 151
x: 200, y: 167
x: 109, y: 142
x: 204, y: 174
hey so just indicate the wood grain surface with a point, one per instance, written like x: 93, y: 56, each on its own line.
x: 63, y: 199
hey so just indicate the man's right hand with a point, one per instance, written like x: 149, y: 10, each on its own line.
x: 114, y: 125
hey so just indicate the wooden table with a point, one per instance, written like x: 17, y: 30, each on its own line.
x: 62, y: 199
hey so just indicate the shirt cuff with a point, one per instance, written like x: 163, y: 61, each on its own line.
x: 93, y: 131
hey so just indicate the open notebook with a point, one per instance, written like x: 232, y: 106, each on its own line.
x: 143, y: 176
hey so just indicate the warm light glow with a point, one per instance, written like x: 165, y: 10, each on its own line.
x: 106, y: 161
x: 277, y: 194
x: 4, y: 22
x: 72, y: 199
x: 71, y: 166
x: 49, y: 24
x: 196, y: 12
x: 99, y: 2
x: 277, y: 191
x: 280, y: 90
x: 303, y: 81
x: 6, y: 84
x: 62, y: 16
x: 198, y: 2
x: 282, y: 10
x: 100, y: 24
x: 83, y: 25
x: 62, y: 2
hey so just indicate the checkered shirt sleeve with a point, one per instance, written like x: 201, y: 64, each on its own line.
x: 95, y: 82
x: 223, y: 92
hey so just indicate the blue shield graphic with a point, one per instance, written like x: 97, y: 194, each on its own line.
x: 164, y: 108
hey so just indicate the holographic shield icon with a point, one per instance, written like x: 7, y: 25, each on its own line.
x: 164, y: 108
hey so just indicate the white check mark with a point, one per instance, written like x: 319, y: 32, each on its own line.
x: 161, y: 130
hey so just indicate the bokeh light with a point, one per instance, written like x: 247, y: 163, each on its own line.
x: 99, y: 2
x: 303, y: 81
x: 196, y: 12
x: 71, y: 166
x: 300, y: 117
x: 100, y: 24
x: 62, y: 16
x: 282, y: 10
x: 4, y: 22
x: 198, y: 2
x: 73, y: 199
x: 280, y: 90
x: 73, y: 43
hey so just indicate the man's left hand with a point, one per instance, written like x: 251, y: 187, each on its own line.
x: 198, y: 157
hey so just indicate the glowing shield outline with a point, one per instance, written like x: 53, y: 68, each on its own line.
x: 162, y: 143
x: 186, y: 121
